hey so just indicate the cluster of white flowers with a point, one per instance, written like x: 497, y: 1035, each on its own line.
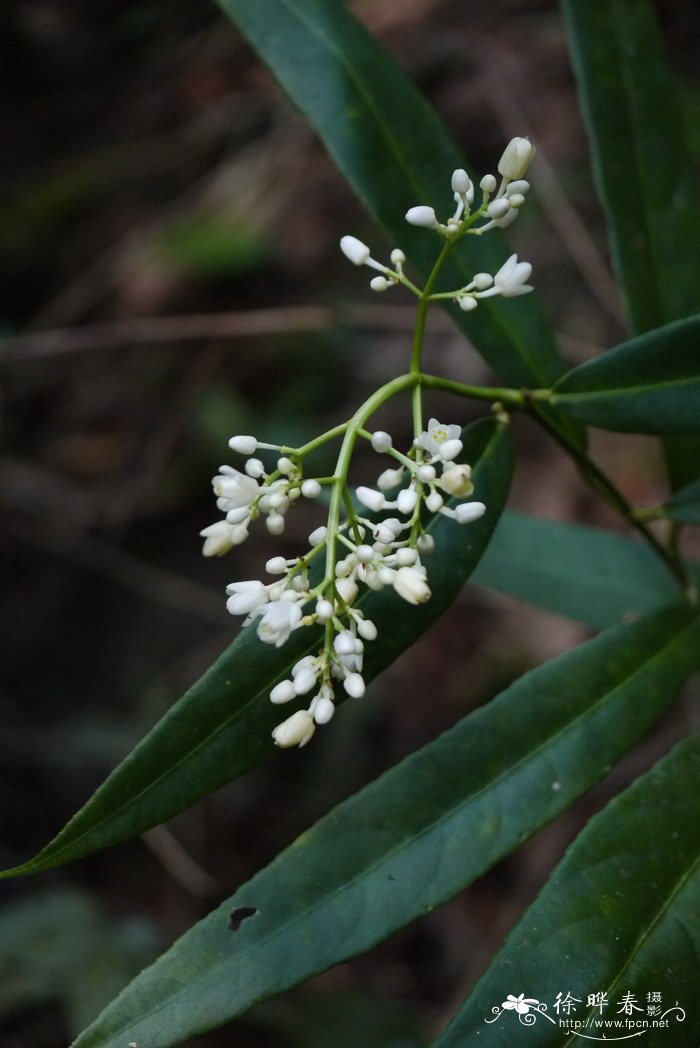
x: 385, y: 551
x: 245, y: 496
x: 499, y: 211
x: 379, y: 553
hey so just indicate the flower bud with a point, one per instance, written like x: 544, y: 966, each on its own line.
x: 450, y: 449
x: 324, y: 610
x: 425, y: 544
x: 367, y: 629
x: 488, y: 184
x: 482, y: 280
x: 434, y: 501
x: 304, y: 681
x: 243, y: 444
x: 323, y: 710
x: 467, y: 512
x: 406, y: 557
x: 460, y: 181
x: 379, y: 284
x: 406, y: 500
x: 275, y: 523
x: 397, y: 257
x: 498, y: 208
x: 457, y: 481
x: 381, y: 441
x: 311, y: 489
x: 355, y: 250
x: 295, y: 731
x: 389, y: 479
x: 318, y: 536
x: 410, y: 584
x: 347, y: 590
x: 354, y: 685
x: 344, y: 643
x: 516, y: 158
x: 426, y: 473
x: 282, y: 692
x: 422, y: 216
x: 276, y: 566
x: 467, y: 304
x: 373, y: 500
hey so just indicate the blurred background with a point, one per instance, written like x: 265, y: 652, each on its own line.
x: 168, y: 244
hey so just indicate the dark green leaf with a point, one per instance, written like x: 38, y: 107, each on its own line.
x: 650, y: 384
x: 684, y: 506
x: 619, y: 915
x: 221, y: 727
x: 587, y: 574
x: 395, y: 153
x: 640, y: 159
x: 417, y: 835
x: 643, y: 170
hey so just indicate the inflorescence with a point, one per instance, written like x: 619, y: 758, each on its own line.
x: 389, y: 549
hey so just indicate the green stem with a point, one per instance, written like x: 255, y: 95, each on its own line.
x: 418, y: 336
x: 340, y: 476
x: 601, y: 483
x: 495, y: 394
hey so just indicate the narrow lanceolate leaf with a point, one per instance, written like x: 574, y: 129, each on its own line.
x: 650, y: 384
x: 221, y: 727
x: 641, y: 162
x: 684, y: 506
x: 643, y: 170
x: 395, y: 153
x: 588, y: 574
x: 620, y: 917
x: 415, y: 836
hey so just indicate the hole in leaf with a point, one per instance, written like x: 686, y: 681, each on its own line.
x: 239, y: 915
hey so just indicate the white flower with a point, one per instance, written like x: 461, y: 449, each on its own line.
x: 422, y: 216
x: 410, y: 584
x: 355, y: 250
x: 295, y: 731
x: 436, y: 435
x: 234, y: 488
x: 245, y: 597
x: 516, y: 158
x: 217, y: 539
x: 277, y: 622
x: 509, y: 281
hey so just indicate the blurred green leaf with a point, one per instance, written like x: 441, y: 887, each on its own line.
x: 650, y: 384
x: 58, y: 946
x: 212, y: 247
x: 415, y: 836
x: 620, y: 914
x: 221, y: 727
x: 684, y: 505
x: 395, y: 153
x: 643, y: 169
x: 587, y: 574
